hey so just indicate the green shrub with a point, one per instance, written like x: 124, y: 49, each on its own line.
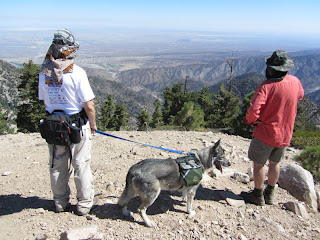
x: 305, y: 139
x: 310, y: 160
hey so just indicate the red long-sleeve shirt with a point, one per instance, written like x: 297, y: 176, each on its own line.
x: 275, y: 105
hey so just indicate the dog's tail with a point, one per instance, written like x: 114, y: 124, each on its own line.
x: 127, y: 193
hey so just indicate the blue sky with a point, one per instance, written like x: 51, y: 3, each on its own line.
x: 290, y: 17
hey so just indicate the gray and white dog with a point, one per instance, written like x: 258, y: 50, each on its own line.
x: 147, y: 178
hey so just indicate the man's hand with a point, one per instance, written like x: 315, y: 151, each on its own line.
x: 93, y: 128
x: 257, y: 122
x: 91, y: 113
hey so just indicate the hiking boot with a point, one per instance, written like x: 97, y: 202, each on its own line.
x: 60, y: 208
x: 250, y: 197
x: 82, y: 211
x: 268, y: 197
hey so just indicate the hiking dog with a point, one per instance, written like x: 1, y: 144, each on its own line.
x: 147, y: 178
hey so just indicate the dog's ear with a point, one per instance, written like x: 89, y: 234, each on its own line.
x: 214, y: 147
x: 217, y: 143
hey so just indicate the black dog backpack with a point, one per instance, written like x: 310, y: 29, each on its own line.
x: 191, y: 170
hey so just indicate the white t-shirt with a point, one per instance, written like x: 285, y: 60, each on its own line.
x: 68, y: 96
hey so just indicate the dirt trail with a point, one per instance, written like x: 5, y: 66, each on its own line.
x: 26, y: 206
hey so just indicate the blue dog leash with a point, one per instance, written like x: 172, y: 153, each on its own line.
x: 165, y: 149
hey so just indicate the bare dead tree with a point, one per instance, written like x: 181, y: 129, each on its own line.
x: 186, y: 85
x: 230, y: 63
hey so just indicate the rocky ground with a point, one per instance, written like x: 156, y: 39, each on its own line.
x: 27, y: 212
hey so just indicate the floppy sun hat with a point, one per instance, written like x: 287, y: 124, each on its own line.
x: 280, y: 61
x: 60, y: 55
x: 64, y: 37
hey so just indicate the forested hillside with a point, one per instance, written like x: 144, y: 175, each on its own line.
x: 138, y: 89
x: 135, y: 101
x: 9, y: 79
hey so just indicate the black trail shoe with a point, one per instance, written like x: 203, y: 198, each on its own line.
x: 250, y: 197
x: 268, y: 197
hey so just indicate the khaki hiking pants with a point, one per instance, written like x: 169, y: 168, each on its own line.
x: 60, y: 171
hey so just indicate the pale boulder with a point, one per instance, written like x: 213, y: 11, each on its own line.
x: 299, y: 183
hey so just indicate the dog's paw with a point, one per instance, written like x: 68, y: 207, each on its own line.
x: 192, y: 213
x: 127, y: 213
x: 151, y: 224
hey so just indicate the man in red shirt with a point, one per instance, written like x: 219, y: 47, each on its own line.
x: 272, y: 111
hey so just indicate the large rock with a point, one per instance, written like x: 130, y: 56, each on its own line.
x: 297, y: 208
x: 241, y: 177
x: 84, y: 232
x: 299, y: 183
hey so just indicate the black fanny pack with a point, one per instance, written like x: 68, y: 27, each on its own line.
x: 60, y: 129
x: 190, y: 170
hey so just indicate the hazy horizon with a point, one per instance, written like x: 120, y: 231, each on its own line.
x: 128, y: 28
x: 20, y: 45
x: 137, y: 28
x: 285, y: 17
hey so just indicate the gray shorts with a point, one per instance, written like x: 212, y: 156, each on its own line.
x: 260, y: 152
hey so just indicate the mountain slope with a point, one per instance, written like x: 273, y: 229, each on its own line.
x: 156, y: 79
x: 307, y: 69
x: 243, y: 84
x: 9, y: 79
x: 135, y: 101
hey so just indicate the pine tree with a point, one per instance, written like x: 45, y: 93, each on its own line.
x: 4, y: 128
x: 174, y: 100
x: 121, y: 116
x: 143, y: 120
x: 107, y: 113
x: 225, y: 109
x: 190, y: 116
x: 31, y: 110
x: 157, y: 115
x: 241, y: 128
x: 113, y: 116
x: 166, y: 109
x: 206, y: 103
